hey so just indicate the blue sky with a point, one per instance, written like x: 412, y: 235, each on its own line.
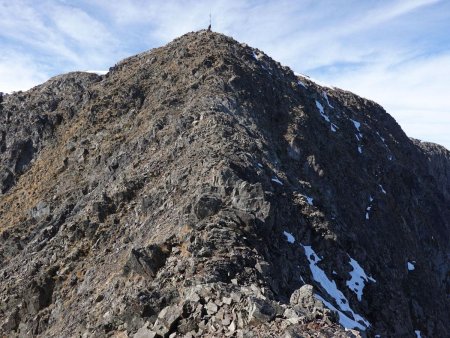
x: 395, y: 52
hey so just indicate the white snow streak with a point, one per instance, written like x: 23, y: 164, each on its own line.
x: 344, y: 320
x: 330, y: 286
x: 324, y: 94
x: 358, y: 279
x: 356, y: 124
x: 276, y: 180
x: 289, y: 237
x: 322, y: 84
x: 325, y: 116
x: 369, y: 207
x: 301, y: 83
x: 321, y: 111
x: 98, y: 72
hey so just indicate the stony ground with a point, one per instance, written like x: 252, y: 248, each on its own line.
x: 202, y: 189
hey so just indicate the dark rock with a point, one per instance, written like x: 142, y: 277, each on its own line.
x: 260, y: 311
x: 207, y: 205
x: 23, y: 152
x: 6, y: 180
x: 146, y: 261
x: 38, y: 294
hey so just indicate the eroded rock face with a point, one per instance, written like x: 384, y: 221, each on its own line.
x: 202, y: 189
x: 438, y: 164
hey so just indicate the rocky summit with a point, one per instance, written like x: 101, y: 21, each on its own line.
x: 202, y: 189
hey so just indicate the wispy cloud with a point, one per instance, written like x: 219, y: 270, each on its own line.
x: 19, y: 71
x: 393, y: 51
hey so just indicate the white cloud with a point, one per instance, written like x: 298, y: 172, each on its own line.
x: 81, y: 27
x: 27, y: 25
x: 19, y: 72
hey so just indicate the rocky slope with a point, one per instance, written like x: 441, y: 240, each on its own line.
x: 202, y: 189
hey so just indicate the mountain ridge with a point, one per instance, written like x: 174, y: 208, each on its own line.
x: 191, y: 172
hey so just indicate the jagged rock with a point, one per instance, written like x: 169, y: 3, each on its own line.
x: 6, y: 180
x: 167, y: 319
x: 146, y: 261
x: 207, y: 205
x: 260, y: 311
x: 304, y: 298
x: 38, y: 294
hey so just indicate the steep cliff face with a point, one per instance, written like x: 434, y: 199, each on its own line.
x: 438, y: 165
x: 203, y: 189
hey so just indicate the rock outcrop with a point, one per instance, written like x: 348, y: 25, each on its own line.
x: 202, y: 189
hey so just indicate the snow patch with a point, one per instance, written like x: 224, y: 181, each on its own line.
x: 356, y: 124
x: 411, y: 266
x: 320, y: 83
x: 98, y: 72
x: 418, y: 334
x: 344, y: 320
x: 259, y: 165
x: 300, y: 83
x: 382, y: 189
x: 289, y: 237
x: 321, y: 111
x: 325, y: 116
x: 309, y: 200
x: 390, y: 157
x: 359, y: 149
x: 324, y: 94
x: 381, y: 138
x: 276, y: 180
x: 369, y: 207
x: 330, y: 287
x: 358, y: 279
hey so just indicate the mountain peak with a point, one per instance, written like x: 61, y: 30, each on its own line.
x: 201, y: 188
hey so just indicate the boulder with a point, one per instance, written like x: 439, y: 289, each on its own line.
x: 304, y: 299
x: 260, y: 311
x: 145, y: 332
x: 167, y: 320
x: 146, y: 261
